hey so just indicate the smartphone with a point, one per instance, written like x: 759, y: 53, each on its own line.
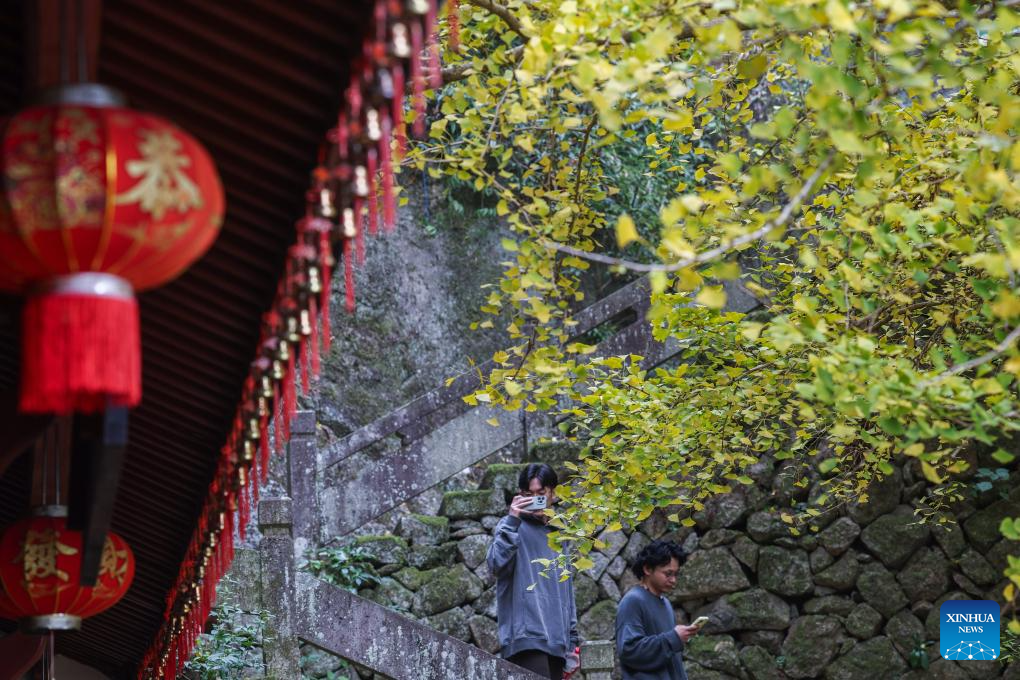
x: 700, y: 621
x: 537, y: 504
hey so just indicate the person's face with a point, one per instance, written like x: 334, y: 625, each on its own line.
x: 535, y: 488
x: 662, y: 579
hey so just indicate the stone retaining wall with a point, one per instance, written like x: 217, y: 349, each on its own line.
x: 857, y: 600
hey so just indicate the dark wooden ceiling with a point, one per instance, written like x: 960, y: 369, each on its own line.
x: 258, y: 82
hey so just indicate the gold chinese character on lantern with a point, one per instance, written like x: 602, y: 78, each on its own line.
x: 39, y: 555
x: 114, y: 563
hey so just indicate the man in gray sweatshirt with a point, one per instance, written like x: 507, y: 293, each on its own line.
x: 536, y: 612
x: 649, y: 643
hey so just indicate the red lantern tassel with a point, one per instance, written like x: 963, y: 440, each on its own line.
x: 243, y: 508
x: 313, y: 316
x: 386, y: 160
x: 435, y: 60
x: 325, y: 255
x: 348, y: 276
x: 359, y: 238
x: 373, y: 192
x: 453, y: 21
x: 289, y: 395
x: 342, y: 135
x: 399, y: 127
x: 80, y: 346
x: 305, y: 366
x: 264, y: 445
x: 277, y: 419
x: 417, y: 80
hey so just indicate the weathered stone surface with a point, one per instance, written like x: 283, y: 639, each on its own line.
x: 759, y: 664
x: 894, y: 538
x: 950, y: 538
x: 883, y: 497
x: 829, y: 604
x: 424, y: 529
x: 718, y: 537
x: 997, y: 555
x: 839, y: 535
x: 754, y: 609
x: 599, y: 564
x: 502, y: 476
x: 717, y: 652
x: 391, y: 593
x: 905, y: 631
x: 489, y: 522
x: 614, y: 542
x: 472, y: 504
x: 879, y: 588
x: 608, y: 588
x: 382, y: 550
x: 764, y: 526
x: 863, y: 622
x: 785, y: 572
x: 466, y: 527
x: 432, y: 556
x: 695, y: 671
x: 472, y: 549
x: 709, y: 573
x: 982, y: 528
x: 453, y: 622
x: 411, y: 577
x: 926, y: 575
x: 746, y: 551
x: 616, y: 567
x: 722, y: 512
x: 769, y: 640
x: 655, y: 525
x: 873, y: 659
x: 635, y: 544
x: 486, y: 604
x: 445, y: 588
x: 980, y: 670
x: 484, y: 633
x: 820, y: 559
x: 931, y: 624
x: 586, y: 592
x: 977, y: 568
x: 811, y: 644
x: 939, y: 670
x: 599, y: 622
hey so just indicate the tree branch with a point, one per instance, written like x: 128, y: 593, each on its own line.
x: 503, y: 13
x: 996, y: 351
x: 783, y: 217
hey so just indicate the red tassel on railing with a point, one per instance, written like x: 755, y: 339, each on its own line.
x: 417, y: 80
x: 386, y: 160
x: 277, y: 419
x: 313, y: 316
x: 342, y: 135
x: 359, y: 238
x: 289, y: 394
x: 348, y: 275
x: 305, y: 366
x: 372, y: 163
x: 453, y: 21
x: 432, y: 48
x: 399, y: 126
x: 325, y: 255
x: 264, y: 445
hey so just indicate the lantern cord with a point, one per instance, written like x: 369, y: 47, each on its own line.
x: 50, y: 676
x: 44, y: 491
x: 65, y: 66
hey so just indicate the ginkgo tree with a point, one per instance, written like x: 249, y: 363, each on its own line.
x: 852, y: 165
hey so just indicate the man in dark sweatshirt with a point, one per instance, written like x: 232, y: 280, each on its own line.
x: 536, y: 612
x: 649, y: 643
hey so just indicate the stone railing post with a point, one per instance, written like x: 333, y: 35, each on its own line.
x: 302, y: 471
x: 280, y: 648
x: 597, y: 660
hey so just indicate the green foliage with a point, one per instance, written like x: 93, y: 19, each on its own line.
x: 918, y: 657
x: 1009, y: 649
x: 344, y: 566
x: 853, y: 165
x: 233, y: 644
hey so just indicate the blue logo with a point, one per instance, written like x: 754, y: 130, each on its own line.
x: 969, y: 630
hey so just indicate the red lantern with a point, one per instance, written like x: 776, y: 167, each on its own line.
x: 40, y: 566
x: 98, y: 201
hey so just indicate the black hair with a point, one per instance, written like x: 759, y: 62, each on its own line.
x: 657, y: 554
x: 539, y: 471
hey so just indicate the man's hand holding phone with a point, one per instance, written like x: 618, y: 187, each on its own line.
x: 685, y: 633
x: 529, y: 504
